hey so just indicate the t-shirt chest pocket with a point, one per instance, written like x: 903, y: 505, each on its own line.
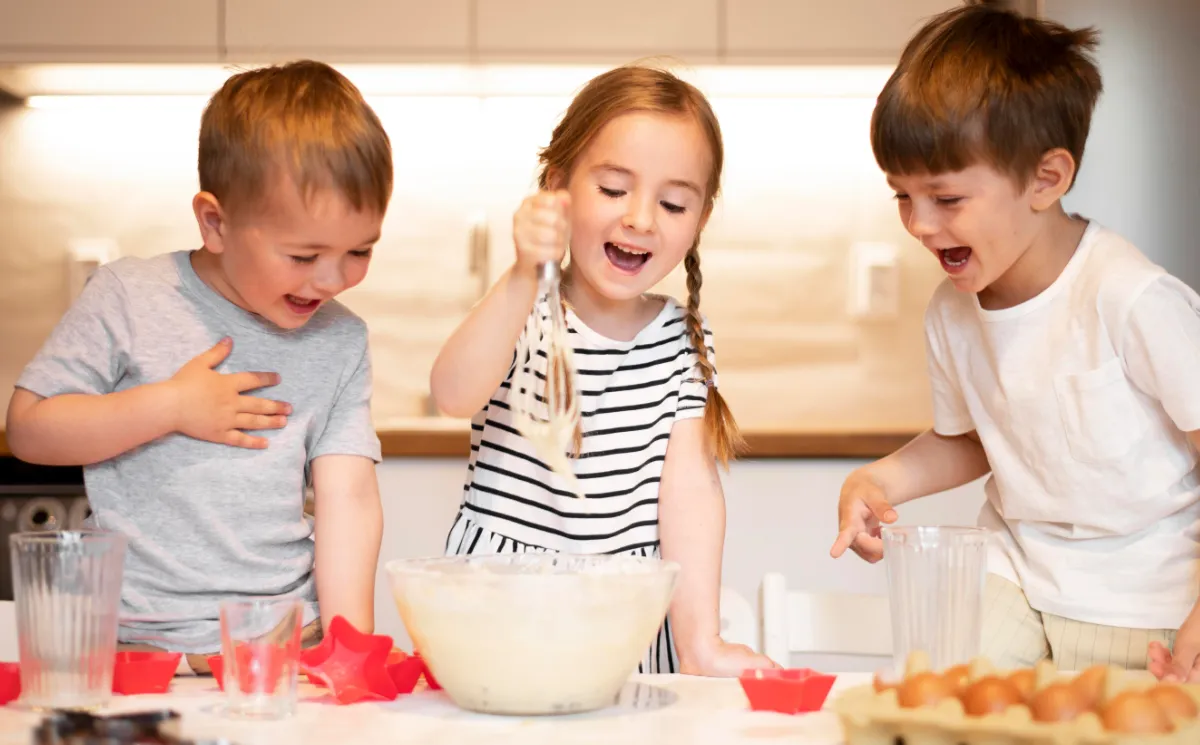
x: 1101, y: 417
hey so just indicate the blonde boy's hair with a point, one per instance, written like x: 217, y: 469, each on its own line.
x: 304, y: 120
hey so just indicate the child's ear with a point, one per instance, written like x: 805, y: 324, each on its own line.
x: 211, y: 219
x: 1052, y: 179
x: 555, y: 179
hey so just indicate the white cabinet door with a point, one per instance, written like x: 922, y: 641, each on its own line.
x: 616, y: 30
x: 353, y: 30
x: 824, y: 30
x: 108, y: 30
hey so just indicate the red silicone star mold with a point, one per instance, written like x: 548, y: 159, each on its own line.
x: 405, y: 671
x: 351, y: 664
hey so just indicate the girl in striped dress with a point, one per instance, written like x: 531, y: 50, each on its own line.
x: 630, y: 176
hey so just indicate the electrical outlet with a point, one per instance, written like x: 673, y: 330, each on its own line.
x: 874, y: 281
x: 85, y: 256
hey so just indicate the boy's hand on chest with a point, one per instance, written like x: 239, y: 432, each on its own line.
x: 213, y: 406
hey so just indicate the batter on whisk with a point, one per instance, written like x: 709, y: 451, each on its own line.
x: 630, y: 176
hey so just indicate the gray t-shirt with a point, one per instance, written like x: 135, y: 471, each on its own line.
x: 207, y: 521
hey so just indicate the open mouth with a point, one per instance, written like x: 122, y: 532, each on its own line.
x: 954, y: 259
x: 626, y: 258
x: 301, y: 306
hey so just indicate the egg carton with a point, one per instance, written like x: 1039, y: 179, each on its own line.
x: 870, y: 716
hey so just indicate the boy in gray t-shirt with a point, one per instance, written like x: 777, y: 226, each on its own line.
x: 152, y: 379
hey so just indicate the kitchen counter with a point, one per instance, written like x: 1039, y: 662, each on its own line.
x: 662, y: 709
x: 451, y: 438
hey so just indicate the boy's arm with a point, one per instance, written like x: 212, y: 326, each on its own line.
x: 349, y: 530
x: 349, y: 517
x: 691, y: 528
x: 65, y: 410
x: 928, y: 464
x: 78, y: 429
x: 477, y: 357
x: 74, y: 429
x: 1160, y: 348
x: 1181, y: 663
x: 944, y: 457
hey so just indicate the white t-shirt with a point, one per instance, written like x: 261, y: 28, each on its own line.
x: 1081, y: 398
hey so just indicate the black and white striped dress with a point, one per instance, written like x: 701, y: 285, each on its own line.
x: 632, y: 393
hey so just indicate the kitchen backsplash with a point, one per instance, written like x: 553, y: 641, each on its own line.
x: 800, y: 188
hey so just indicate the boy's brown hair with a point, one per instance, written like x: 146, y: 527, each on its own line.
x: 639, y: 88
x: 983, y: 84
x: 302, y: 119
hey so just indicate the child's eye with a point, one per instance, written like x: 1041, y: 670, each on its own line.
x: 364, y: 253
x: 948, y: 201
x: 304, y: 259
x: 613, y: 193
x: 900, y: 197
x: 674, y: 209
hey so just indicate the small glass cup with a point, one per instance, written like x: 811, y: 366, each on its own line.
x: 260, y: 649
x: 936, y: 577
x: 67, y: 587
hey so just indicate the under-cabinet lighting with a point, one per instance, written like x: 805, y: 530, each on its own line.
x: 41, y: 84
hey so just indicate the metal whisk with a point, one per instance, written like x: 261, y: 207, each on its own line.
x: 553, y: 435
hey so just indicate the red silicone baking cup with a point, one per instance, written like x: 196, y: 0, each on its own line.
x: 786, y: 691
x: 144, y: 672
x: 10, y: 682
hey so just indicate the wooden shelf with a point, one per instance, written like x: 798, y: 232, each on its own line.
x: 451, y: 442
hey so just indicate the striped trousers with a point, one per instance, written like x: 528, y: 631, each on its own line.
x: 1016, y: 635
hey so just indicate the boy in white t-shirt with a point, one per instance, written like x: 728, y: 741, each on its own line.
x: 1061, y: 359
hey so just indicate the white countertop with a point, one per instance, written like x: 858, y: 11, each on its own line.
x: 660, y: 709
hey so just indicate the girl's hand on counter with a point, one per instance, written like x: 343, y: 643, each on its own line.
x: 721, y: 659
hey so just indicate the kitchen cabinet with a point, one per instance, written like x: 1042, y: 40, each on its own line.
x: 109, y: 31
x: 347, y: 30
x: 619, y: 30
x: 823, y: 31
x: 463, y: 31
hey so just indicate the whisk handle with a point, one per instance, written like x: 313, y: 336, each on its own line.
x: 548, y: 273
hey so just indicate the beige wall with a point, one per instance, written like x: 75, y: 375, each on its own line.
x: 800, y: 187
x: 1141, y: 171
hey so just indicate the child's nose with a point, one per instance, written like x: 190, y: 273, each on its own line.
x: 329, y: 281
x: 640, y: 215
x: 921, y: 222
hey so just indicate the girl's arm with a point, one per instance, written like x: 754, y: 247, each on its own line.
x: 475, y: 360
x: 691, y: 526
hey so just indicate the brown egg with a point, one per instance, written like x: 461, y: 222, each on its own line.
x: 1090, y: 683
x: 990, y: 695
x: 1174, y: 701
x: 1136, y: 713
x: 958, y: 676
x: 923, y: 689
x: 1059, y: 702
x: 1024, y: 681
